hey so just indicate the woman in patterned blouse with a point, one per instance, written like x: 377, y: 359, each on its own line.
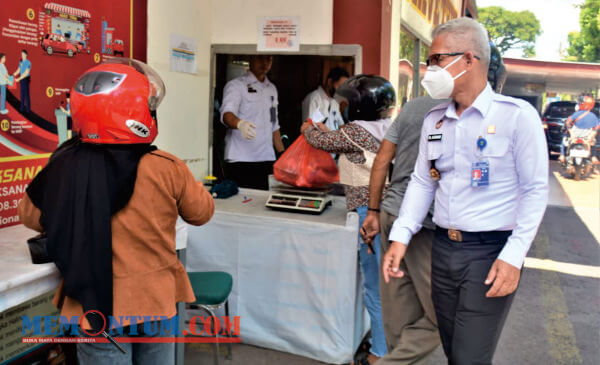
x: 369, y: 103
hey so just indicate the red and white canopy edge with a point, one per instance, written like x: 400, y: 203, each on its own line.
x: 67, y: 10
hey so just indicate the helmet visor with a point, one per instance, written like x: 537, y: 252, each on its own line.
x: 98, y: 82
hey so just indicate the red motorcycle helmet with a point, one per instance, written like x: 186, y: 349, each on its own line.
x: 115, y: 103
x: 586, y: 103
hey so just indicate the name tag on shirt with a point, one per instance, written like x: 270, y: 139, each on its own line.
x: 480, y: 174
x: 434, y: 137
x: 251, y: 90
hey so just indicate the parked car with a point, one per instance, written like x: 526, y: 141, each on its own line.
x: 554, y: 120
x: 52, y: 43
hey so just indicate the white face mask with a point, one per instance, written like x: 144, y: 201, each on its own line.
x: 438, y: 82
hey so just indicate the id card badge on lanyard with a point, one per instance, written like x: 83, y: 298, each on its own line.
x: 273, y: 110
x: 334, y: 125
x: 480, y: 170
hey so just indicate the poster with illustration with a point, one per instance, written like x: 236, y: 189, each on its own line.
x: 44, y: 47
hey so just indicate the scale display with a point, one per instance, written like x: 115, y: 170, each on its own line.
x: 299, y: 203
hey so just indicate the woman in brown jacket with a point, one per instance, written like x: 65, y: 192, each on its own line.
x: 108, y: 202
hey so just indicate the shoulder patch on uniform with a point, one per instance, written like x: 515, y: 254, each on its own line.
x: 519, y: 104
x: 237, y: 81
x: 510, y: 100
x: 441, y: 106
x: 435, y: 114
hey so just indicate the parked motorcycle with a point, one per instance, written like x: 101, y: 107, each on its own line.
x: 578, y: 162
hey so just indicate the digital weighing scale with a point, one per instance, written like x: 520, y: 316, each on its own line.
x: 299, y: 200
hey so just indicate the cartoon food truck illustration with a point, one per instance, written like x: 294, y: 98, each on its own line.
x: 64, y: 29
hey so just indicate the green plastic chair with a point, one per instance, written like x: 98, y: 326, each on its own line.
x: 212, y: 289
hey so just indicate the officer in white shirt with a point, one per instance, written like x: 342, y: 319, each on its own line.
x: 249, y: 111
x: 322, y: 100
x: 483, y: 157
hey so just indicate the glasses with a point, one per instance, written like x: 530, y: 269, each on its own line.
x: 434, y: 59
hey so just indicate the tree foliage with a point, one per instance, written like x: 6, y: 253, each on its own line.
x: 585, y: 44
x: 407, y: 48
x: 511, y: 29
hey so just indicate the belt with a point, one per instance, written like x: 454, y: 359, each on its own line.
x: 462, y: 236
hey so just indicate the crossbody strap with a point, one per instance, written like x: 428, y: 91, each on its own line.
x: 581, y: 116
x: 354, y: 143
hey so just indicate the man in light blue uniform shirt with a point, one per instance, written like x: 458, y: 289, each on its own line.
x: 23, y: 74
x: 483, y: 157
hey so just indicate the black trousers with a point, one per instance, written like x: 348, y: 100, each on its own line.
x: 469, y: 323
x: 253, y: 175
x: 25, y: 106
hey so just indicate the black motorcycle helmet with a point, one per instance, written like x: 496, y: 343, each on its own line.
x: 496, y: 71
x: 369, y: 97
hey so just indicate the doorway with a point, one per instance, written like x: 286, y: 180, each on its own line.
x: 295, y: 75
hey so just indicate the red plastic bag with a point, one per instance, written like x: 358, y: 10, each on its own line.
x: 304, y: 166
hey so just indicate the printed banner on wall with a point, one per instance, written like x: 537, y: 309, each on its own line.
x: 44, y: 47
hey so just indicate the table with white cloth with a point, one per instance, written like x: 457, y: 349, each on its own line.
x: 296, y: 281
x: 27, y: 289
x: 20, y: 280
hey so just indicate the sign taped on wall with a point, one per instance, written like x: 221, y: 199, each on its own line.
x: 183, y: 54
x: 278, y: 34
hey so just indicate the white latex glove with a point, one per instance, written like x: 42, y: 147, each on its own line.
x: 248, y: 129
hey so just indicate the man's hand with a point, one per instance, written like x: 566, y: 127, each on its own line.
x: 248, y: 129
x: 370, y: 227
x: 505, y: 278
x: 391, y: 261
